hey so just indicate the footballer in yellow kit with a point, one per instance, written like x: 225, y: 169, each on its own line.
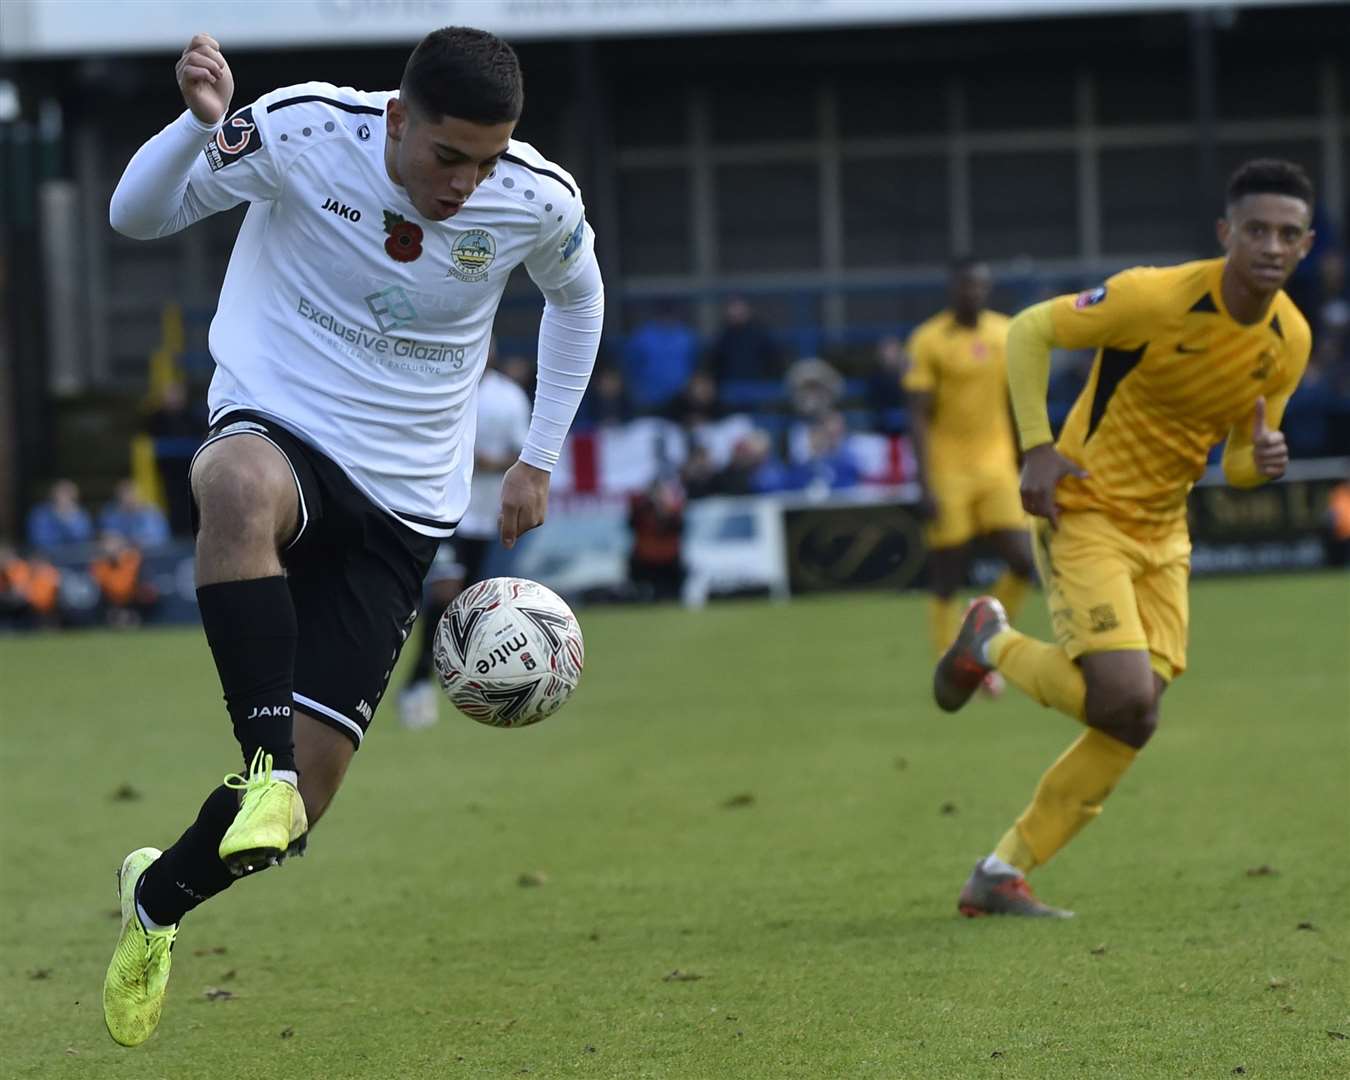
x: 961, y: 430
x: 1188, y: 357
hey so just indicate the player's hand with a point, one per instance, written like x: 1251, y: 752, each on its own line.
x: 1042, y: 469
x: 205, y: 79
x: 1268, y: 447
x: 524, y: 502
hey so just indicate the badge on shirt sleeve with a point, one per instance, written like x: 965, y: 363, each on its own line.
x: 1091, y: 297
x: 237, y: 138
x: 572, y: 244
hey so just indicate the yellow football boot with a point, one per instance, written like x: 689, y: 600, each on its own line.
x: 133, y: 990
x: 271, y: 821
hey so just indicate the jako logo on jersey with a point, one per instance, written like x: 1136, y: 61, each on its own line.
x: 342, y: 210
x: 472, y: 254
x: 1091, y: 297
x: 237, y: 138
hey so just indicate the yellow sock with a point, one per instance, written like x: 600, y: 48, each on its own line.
x: 943, y: 622
x: 1069, y: 795
x: 1014, y: 850
x: 1042, y: 671
x: 1010, y: 591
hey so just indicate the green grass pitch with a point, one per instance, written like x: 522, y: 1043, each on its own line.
x: 757, y: 796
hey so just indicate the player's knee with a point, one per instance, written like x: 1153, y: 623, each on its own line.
x: 243, y: 496
x: 1124, y: 708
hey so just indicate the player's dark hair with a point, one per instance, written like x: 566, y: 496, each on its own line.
x: 1270, y: 176
x: 465, y: 73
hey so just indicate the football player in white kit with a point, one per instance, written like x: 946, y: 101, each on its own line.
x: 350, y: 336
x: 503, y: 427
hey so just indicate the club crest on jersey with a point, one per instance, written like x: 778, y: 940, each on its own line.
x: 237, y: 138
x: 404, y: 243
x: 1091, y: 297
x: 471, y: 254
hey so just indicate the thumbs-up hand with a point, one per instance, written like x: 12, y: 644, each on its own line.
x: 1268, y: 447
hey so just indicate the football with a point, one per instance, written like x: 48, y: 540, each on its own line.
x: 508, y: 652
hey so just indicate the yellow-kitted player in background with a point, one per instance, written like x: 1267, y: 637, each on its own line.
x: 1188, y: 356
x: 961, y: 428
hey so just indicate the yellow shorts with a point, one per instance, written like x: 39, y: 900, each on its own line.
x: 1108, y: 591
x: 973, y: 504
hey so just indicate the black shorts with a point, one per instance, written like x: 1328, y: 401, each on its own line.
x: 355, y: 575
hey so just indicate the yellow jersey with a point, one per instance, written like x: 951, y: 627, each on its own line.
x: 965, y: 369
x: 1174, y: 375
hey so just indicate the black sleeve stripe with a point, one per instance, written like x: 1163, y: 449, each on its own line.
x: 1115, y: 365
x: 541, y: 172
x: 369, y: 110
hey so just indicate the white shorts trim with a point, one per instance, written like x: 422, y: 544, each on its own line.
x: 332, y: 714
x: 252, y: 429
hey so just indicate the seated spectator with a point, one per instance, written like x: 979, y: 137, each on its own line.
x: 30, y: 590
x: 177, y: 431
x: 60, y: 520
x: 699, y: 473
x: 696, y: 404
x: 116, y: 570
x: 141, y: 523
x: 743, y: 348
x: 884, y: 395
x: 606, y: 401
x: 656, y: 566
x: 753, y: 469
x: 658, y: 360
x: 816, y: 389
x: 519, y: 370
x: 828, y: 465
x: 1336, y: 533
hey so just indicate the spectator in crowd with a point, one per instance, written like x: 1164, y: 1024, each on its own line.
x: 815, y: 388
x: 656, y: 566
x: 658, y: 360
x: 828, y: 465
x: 699, y: 473
x: 606, y: 401
x: 696, y: 404
x: 743, y: 348
x: 116, y: 570
x: 1336, y: 533
x: 520, y: 370
x: 142, y: 524
x: 60, y: 520
x: 884, y: 395
x: 177, y: 431
x: 30, y: 590
x: 753, y: 469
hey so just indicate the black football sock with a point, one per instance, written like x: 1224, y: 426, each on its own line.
x: 431, y: 618
x: 191, y: 872
x: 251, y: 628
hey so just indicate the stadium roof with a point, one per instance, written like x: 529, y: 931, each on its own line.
x: 48, y: 28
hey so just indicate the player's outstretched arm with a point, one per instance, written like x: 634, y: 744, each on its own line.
x: 569, y: 340
x: 154, y: 197
x: 1031, y: 336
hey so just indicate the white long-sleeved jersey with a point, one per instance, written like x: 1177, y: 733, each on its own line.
x: 351, y: 319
